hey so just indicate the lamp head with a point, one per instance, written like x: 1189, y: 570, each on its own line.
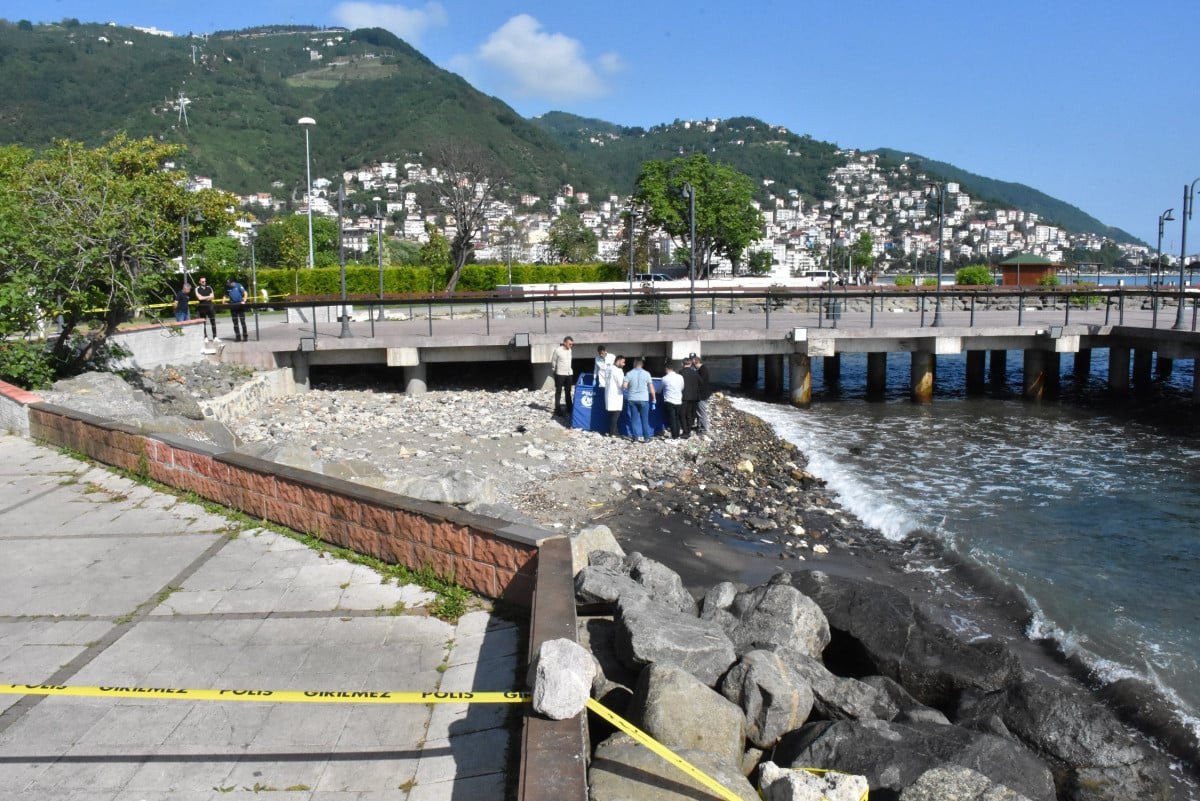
x: 1168, y: 216
x: 306, y: 121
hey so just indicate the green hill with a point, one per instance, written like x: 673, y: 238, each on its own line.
x: 1013, y: 195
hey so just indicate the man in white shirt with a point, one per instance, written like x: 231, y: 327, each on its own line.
x: 604, y: 363
x: 672, y: 390
x: 561, y: 369
x: 614, y: 394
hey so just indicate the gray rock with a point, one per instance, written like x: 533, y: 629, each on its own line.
x: 562, y: 679
x: 911, y: 710
x: 777, y: 616
x: 607, y: 559
x: 664, y: 584
x: 1093, y: 755
x: 501, y: 511
x: 597, y: 584
x: 955, y: 783
x: 651, y: 633
x: 623, y: 770
x: 673, y: 707
x: 453, y: 487
x: 838, y: 698
x: 903, y: 643
x: 208, y: 431
x: 788, y: 784
x: 720, y: 596
x: 774, y: 699
x: 592, y: 538
x: 103, y: 395
x: 894, y: 755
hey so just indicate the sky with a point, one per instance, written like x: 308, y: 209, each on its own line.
x: 1096, y: 103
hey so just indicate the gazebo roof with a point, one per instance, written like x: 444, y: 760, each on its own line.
x: 1026, y: 260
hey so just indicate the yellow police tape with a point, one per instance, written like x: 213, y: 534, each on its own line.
x: 371, y: 697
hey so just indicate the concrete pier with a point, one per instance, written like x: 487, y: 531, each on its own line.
x: 773, y: 375
x: 1034, y: 378
x: 1143, y: 359
x: 998, y: 368
x: 975, y: 363
x: 876, y: 375
x: 800, y: 391
x: 1118, y: 370
x: 922, y: 376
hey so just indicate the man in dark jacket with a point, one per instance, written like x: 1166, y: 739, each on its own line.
x: 691, y: 396
x: 706, y: 392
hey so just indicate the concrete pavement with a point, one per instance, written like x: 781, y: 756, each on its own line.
x: 106, y: 582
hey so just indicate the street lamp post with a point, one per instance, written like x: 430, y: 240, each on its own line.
x: 379, y: 253
x: 342, y: 262
x: 1163, y: 218
x: 937, y: 292
x: 689, y: 192
x: 1189, y: 200
x: 629, y: 310
x: 306, y: 123
x: 183, y: 237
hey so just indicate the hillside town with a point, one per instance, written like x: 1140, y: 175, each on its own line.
x: 799, y: 234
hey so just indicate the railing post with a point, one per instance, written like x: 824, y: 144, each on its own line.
x: 487, y: 316
x: 313, y: 312
x: 1154, y: 311
x: 871, y: 298
x: 1193, y: 314
x: 1067, y: 311
x: 1121, y: 307
x: 1020, y: 306
x: 371, y: 314
x: 430, y: 308
x: 1107, y: 307
x: 545, y: 316
x: 767, y: 303
x: 922, y: 309
x: 602, y: 312
x: 972, y: 310
x: 712, y: 310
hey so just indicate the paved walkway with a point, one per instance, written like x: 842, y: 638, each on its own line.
x: 106, y: 582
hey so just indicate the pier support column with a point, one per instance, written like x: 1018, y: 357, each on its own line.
x: 1196, y: 381
x: 1053, y: 372
x: 1083, y: 364
x: 998, y: 372
x: 749, y: 372
x: 300, y: 371
x: 1034, y: 383
x: 415, y: 379
x: 540, y: 379
x: 1163, y: 366
x: 922, y: 376
x: 1118, y: 370
x: 975, y: 365
x: 1142, y: 362
x: 773, y: 374
x: 800, y: 391
x: 876, y: 375
x: 831, y: 369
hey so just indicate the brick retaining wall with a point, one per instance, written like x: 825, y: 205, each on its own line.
x: 489, y: 556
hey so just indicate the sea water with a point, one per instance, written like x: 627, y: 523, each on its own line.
x: 1090, y: 509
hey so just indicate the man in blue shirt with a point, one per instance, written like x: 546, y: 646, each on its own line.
x: 235, y: 293
x: 639, y: 393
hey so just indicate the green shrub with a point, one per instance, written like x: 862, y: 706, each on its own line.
x: 1049, y: 279
x: 929, y: 282
x: 26, y: 364
x: 974, y: 275
x: 904, y: 280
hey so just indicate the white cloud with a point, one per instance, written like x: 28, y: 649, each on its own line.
x: 536, y: 63
x: 407, y: 23
x: 611, y: 63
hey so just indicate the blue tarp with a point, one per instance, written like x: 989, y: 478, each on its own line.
x: 590, y: 413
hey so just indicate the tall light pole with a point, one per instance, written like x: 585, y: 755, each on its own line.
x: 1189, y: 200
x: 306, y: 123
x: 690, y: 193
x: 937, y: 292
x: 379, y: 252
x: 629, y: 308
x: 183, y: 238
x: 1163, y: 218
x: 342, y: 262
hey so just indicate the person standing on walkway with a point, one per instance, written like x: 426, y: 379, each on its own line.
x: 691, y: 397
x: 204, y: 307
x: 235, y: 294
x: 614, y: 394
x: 560, y: 368
x: 182, y: 297
x: 706, y: 393
x: 672, y: 395
x: 639, y: 393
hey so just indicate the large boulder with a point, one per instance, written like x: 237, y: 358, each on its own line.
x: 910, y: 709
x: 622, y: 770
x: 651, y: 633
x: 904, y: 643
x: 788, y: 784
x: 894, y: 755
x: 1093, y: 755
x: 774, y: 699
x: 453, y: 487
x: 606, y: 585
x: 562, y: 678
x: 777, y: 616
x: 673, y: 707
x: 956, y: 783
x: 838, y: 698
x: 592, y: 538
x: 664, y: 584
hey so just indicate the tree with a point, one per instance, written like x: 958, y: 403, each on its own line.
x: 570, y: 240
x: 435, y: 253
x: 726, y: 220
x: 861, y: 253
x: 94, y: 229
x: 471, y: 179
x: 283, y: 242
x: 641, y: 245
x: 760, y: 262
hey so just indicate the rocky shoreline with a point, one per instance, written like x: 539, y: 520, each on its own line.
x: 738, y: 507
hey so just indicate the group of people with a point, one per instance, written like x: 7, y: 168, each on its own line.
x: 686, y: 389
x: 235, y: 298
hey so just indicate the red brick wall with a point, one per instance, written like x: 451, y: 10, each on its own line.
x: 470, y: 549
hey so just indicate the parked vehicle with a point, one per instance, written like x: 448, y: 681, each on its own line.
x: 816, y: 278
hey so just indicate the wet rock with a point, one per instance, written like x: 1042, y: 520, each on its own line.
x: 652, y: 633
